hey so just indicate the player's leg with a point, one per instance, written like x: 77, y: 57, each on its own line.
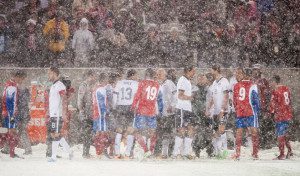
x: 12, y: 141
x: 151, y: 130
x: 129, y: 132
x: 253, y: 124
x: 188, y: 140
x: 118, y: 139
x: 118, y: 121
x: 180, y: 133
x: 281, y: 131
x: 87, y: 126
x: 287, y: 143
x: 140, y: 125
x: 130, y: 141
x: 66, y: 147
x: 166, y: 137
x: 240, y: 124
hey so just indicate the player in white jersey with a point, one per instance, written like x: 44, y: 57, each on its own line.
x: 220, y: 103
x: 185, y: 118
x: 125, y: 91
x: 165, y: 124
x: 57, y: 113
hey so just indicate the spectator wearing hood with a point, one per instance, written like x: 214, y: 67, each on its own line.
x: 83, y: 44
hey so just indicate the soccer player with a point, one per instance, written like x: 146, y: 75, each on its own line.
x: 57, y: 113
x: 100, y: 114
x: 85, y: 105
x: 281, y: 109
x: 267, y: 137
x: 165, y: 124
x: 144, y: 106
x: 246, y: 104
x: 10, y: 110
x: 220, y: 103
x: 185, y: 118
x: 125, y: 91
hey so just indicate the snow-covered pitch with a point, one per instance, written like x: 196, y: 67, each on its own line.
x: 37, y: 165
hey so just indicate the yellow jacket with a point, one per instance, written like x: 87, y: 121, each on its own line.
x: 56, y: 41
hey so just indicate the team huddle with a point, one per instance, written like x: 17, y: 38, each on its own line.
x: 120, y: 115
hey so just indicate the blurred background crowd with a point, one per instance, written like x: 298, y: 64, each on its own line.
x: 139, y: 33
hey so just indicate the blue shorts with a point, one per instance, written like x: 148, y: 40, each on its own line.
x: 7, y: 123
x: 100, y: 125
x: 282, y: 128
x: 144, y: 122
x: 245, y: 122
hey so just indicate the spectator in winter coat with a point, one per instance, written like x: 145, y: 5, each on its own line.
x: 29, y: 44
x: 175, y: 47
x: 56, y: 32
x: 82, y: 5
x: 4, y: 35
x: 83, y: 44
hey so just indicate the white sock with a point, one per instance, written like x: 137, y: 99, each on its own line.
x: 187, y: 146
x: 55, y: 145
x: 117, y: 143
x: 178, y: 144
x: 165, y: 147
x: 249, y: 141
x: 215, y: 145
x: 130, y: 140
x: 224, y: 141
x: 65, y: 145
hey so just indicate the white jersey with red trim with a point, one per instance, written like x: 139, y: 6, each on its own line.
x: 55, y: 100
x: 219, y: 88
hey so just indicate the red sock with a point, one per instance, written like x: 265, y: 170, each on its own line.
x: 238, y: 143
x: 288, y: 144
x: 255, y: 143
x: 13, y: 142
x: 281, y: 144
x: 142, y: 143
x: 153, y: 140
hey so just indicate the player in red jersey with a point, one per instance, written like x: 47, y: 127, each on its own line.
x: 281, y: 109
x: 144, y: 106
x: 246, y: 104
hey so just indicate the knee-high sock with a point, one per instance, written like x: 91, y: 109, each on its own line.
x: 141, y: 140
x: 281, y: 144
x: 224, y: 141
x: 288, y: 144
x: 130, y: 140
x: 178, y: 144
x: 255, y: 143
x: 187, y: 146
x: 65, y: 145
x: 117, y: 143
x: 153, y: 141
x: 215, y: 145
x: 165, y: 147
x: 55, y: 145
x: 13, y: 142
x: 238, y: 143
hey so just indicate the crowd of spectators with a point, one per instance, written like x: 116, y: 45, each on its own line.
x: 138, y: 33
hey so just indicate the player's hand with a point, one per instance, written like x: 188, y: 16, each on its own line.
x: 207, y: 113
x: 221, y: 114
x: 169, y: 110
